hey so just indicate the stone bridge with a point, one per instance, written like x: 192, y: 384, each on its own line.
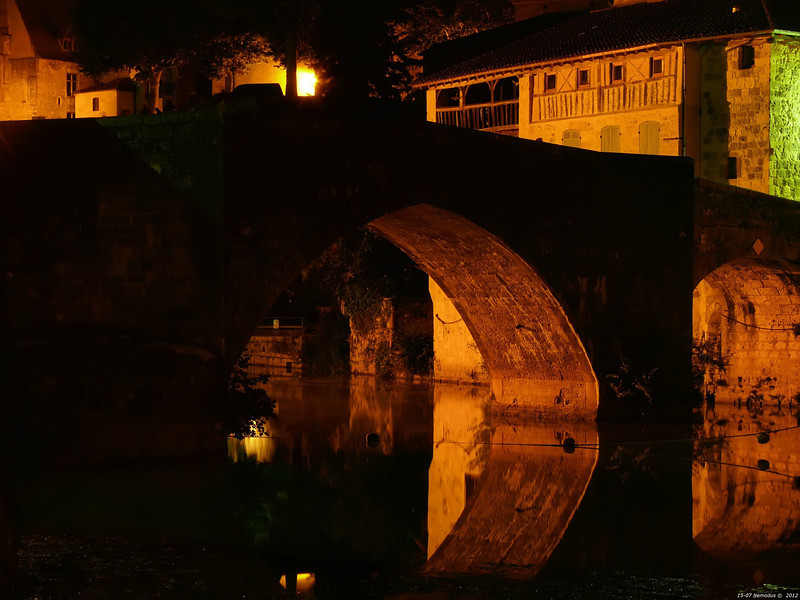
x: 172, y: 235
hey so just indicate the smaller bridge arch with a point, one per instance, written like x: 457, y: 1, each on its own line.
x: 746, y: 320
x: 535, y: 358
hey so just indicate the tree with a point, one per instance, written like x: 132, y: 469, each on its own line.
x: 428, y: 23
x: 358, y: 49
x: 152, y: 36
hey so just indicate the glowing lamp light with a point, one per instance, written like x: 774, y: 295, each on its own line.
x: 306, y: 82
x: 305, y: 581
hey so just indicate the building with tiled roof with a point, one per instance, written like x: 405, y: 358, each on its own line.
x: 38, y: 75
x: 716, y: 80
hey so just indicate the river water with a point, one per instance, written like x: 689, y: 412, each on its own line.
x: 369, y: 490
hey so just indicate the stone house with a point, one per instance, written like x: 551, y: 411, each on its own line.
x: 38, y: 75
x: 715, y: 80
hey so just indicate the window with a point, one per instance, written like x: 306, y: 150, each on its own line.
x: 747, y: 57
x: 733, y: 171
x: 67, y: 44
x: 571, y: 138
x: 70, y: 115
x: 550, y: 82
x: 657, y: 66
x: 95, y: 104
x: 649, y: 137
x: 583, y: 78
x: 72, y: 83
x: 617, y: 73
x: 609, y: 138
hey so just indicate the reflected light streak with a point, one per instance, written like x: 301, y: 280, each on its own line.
x: 305, y: 581
x: 262, y: 449
x: 508, y: 496
x: 740, y: 510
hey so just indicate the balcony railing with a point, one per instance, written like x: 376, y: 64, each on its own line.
x: 492, y: 116
x: 606, y: 99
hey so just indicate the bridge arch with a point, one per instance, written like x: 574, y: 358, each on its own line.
x: 746, y: 321
x: 536, y: 361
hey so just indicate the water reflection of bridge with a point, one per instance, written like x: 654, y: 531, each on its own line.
x: 502, y: 495
x: 745, y: 484
x: 505, y: 497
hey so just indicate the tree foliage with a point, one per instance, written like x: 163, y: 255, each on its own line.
x: 427, y: 23
x: 153, y: 36
x: 359, y: 49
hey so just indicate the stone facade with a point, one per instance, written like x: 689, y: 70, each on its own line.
x: 276, y: 352
x: 730, y: 102
x: 456, y: 355
x: 746, y: 314
x: 38, y: 78
x: 784, y: 126
x: 378, y: 345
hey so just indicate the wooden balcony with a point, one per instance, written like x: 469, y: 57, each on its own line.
x: 495, y: 116
x: 606, y: 99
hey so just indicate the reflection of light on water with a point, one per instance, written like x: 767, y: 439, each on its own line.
x: 460, y: 437
x: 257, y: 446
x: 739, y: 510
x: 305, y: 581
x: 260, y: 448
x: 501, y: 494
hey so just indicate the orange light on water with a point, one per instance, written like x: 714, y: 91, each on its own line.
x: 305, y: 581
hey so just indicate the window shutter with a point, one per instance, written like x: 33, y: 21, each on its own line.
x: 649, y: 137
x: 572, y: 138
x: 609, y: 138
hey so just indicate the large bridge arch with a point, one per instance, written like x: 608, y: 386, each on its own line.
x: 535, y: 358
x: 746, y: 320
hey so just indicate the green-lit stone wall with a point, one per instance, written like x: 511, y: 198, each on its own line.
x: 785, y: 120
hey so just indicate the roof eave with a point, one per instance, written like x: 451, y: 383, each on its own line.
x: 522, y: 69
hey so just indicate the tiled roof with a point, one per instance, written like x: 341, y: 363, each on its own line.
x: 123, y: 84
x: 613, y: 29
x: 45, y: 20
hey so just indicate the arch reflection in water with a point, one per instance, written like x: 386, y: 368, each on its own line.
x: 741, y: 512
x: 526, y: 487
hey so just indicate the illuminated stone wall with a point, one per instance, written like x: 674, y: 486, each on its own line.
x: 745, y: 314
x: 535, y: 359
x: 714, y: 123
x: 371, y: 341
x: 30, y: 86
x: 277, y: 353
x: 456, y: 356
x: 748, y: 96
x: 377, y: 343
x: 111, y: 103
x: 739, y: 511
x: 784, y: 126
x: 38, y: 88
